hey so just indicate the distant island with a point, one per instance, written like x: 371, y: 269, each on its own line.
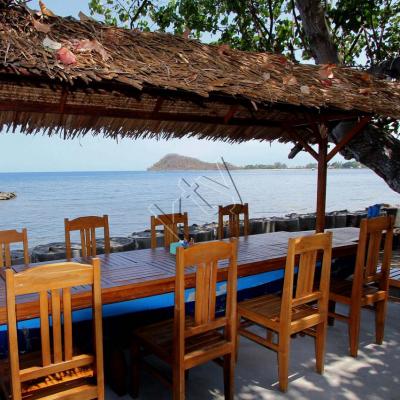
x: 176, y: 162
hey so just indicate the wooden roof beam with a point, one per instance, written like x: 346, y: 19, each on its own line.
x: 230, y: 114
x: 158, y: 105
x: 72, y: 109
x: 296, y: 137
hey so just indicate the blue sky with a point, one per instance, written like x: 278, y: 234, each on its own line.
x: 39, y: 153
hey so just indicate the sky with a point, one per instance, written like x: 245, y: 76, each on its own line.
x: 22, y: 153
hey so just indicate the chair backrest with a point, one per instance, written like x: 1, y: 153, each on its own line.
x: 234, y: 211
x: 303, y: 252
x: 203, y: 259
x: 170, y: 222
x: 87, y: 227
x: 372, y: 231
x: 8, y: 237
x: 53, y: 283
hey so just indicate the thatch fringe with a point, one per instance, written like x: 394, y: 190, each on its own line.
x: 138, y: 63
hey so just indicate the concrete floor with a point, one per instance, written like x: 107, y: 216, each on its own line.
x: 374, y: 375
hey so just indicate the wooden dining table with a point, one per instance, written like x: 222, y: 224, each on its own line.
x: 142, y: 273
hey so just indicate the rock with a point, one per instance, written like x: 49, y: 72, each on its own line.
x: 7, y: 195
x: 292, y: 224
x: 202, y: 233
x: 340, y: 219
x: 280, y: 224
x: 354, y: 218
x: 329, y: 220
x: 256, y: 226
x: 17, y: 257
x: 143, y: 239
x: 117, y: 244
x: 54, y: 251
x: 57, y: 251
x: 307, y: 222
x: 269, y: 225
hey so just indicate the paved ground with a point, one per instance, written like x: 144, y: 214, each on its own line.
x: 374, y: 375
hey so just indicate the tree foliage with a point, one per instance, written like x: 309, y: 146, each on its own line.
x: 365, y: 32
x: 351, y: 32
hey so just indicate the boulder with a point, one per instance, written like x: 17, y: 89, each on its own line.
x: 307, y: 222
x: 117, y: 244
x: 57, y: 251
x: 269, y: 225
x: 354, y: 218
x: 7, y: 195
x: 54, y: 251
x: 202, y: 233
x: 329, y: 220
x: 256, y: 226
x: 143, y: 239
x: 340, y: 219
x: 280, y: 224
x: 17, y: 257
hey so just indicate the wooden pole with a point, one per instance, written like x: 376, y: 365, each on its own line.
x: 321, y: 184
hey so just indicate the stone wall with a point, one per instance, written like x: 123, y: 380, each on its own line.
x: 201, y: 233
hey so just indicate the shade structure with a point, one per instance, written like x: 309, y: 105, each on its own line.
x: 72, y: 77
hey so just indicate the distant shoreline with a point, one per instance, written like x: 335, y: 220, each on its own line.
x: 289, y: 168
x: 177, y: 162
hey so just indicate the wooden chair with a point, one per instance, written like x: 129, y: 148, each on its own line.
x: 87, y: 227
x: 370, y: 283
x: 58, y: 373
x: 187, y: 341
x: 303, y: 309
x: 233, y: 211
x: 170, y: 223
x: 8, y: 237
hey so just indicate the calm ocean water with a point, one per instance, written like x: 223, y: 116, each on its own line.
x: 129, y: 198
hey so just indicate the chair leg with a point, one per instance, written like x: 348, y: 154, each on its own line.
x: 178, y: 384
x: 320, y: 340
x: 135, y: 368
x: 283, y: 361
x: 354, y: 330
x: 237, y: 338
x: 380, y: 315
x: 331, y: 308
x: 229, y: 376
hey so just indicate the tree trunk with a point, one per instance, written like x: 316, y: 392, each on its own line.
x: 377, y: 150
x: 373, y: 147
x: 315, y: 27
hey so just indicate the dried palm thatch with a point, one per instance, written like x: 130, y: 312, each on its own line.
x: 71, y: 77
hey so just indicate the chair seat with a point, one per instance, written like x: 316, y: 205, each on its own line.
x: 340, y: 290
x: 159, y: 338
x: 57, y: 386
x: 265, y: 310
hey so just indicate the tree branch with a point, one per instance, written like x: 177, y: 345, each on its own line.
x: 138, y: 12
x: 298, y: 27
x: 347, y: 53
x: 261, y: 28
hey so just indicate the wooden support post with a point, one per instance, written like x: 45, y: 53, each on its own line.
x: 321, y: 185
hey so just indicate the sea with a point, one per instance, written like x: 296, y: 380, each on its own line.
x: 130, y: 197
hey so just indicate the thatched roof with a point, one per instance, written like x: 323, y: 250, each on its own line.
x: 130, y: 83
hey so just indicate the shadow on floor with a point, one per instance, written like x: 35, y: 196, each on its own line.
x: 374, y: 375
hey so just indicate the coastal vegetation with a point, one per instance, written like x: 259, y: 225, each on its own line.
x: 176, y: 162
x: 301, y: 30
